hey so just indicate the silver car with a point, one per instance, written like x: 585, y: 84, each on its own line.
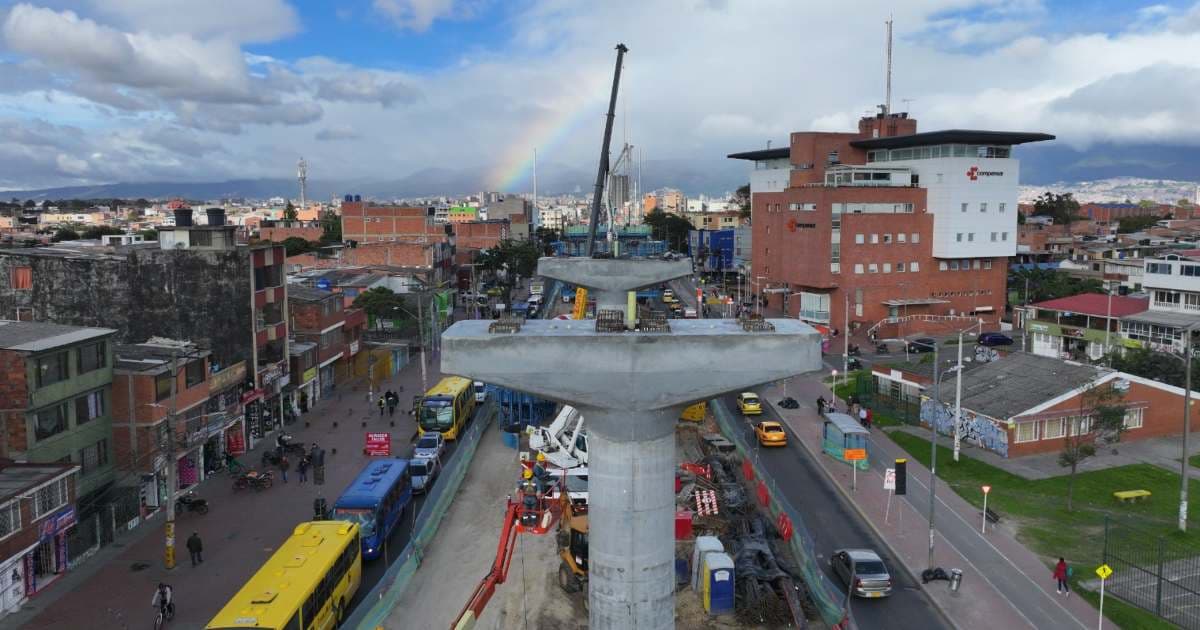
x: 863, y: 571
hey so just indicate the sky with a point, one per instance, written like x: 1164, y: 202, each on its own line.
x: 99, y: 91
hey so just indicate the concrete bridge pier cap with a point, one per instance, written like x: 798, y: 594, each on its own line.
x: 631, y: 387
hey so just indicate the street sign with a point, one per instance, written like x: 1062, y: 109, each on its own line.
x: 854, y: 454
x: 1104, y: 571
x: 379, y: 445
x: 889, y: 479
x: 986, y: 489
x: 323, y: 284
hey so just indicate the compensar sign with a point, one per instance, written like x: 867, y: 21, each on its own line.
x: 974, y: 173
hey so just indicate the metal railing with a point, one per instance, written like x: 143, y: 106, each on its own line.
x: 1152, y: 573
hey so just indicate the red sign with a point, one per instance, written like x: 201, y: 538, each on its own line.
x: 379, y: 444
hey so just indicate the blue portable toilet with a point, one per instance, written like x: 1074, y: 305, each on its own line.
x: 718, y: 583
x: 704, y: 546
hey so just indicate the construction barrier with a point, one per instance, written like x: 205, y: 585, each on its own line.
x: 379, y: 602
x: 828, y: 597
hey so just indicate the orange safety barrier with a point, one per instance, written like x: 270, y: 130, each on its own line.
x: 747, y: 470
x: 764, y: 497
x: 784, y: 525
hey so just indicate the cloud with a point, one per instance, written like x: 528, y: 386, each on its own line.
x: 338, y: 132
x: 171, y: 65
x: 230, y: 118
x: 366, y: 87
x: 179, y: 140
x: 254, y: 21
x: 418, y: 15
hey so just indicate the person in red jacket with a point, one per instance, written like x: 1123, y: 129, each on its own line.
x: 1060, y: 575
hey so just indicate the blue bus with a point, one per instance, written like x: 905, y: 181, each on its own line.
x: 375, y: 500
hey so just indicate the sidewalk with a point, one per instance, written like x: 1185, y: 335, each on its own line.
x: 1004, y: 584
x: 114, y: 588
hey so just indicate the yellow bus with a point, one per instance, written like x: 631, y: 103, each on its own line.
x: 307, y: 584
x: 447, y: 407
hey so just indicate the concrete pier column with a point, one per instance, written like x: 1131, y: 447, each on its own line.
x: 631, y: 508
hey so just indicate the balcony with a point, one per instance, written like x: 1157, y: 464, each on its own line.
x: 864, y: 176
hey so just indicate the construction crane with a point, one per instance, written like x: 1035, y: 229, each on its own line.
x: 564, y: 442
x: 602, y: 171
x: 530, y: 513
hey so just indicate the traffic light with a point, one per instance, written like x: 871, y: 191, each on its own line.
x: 901, y: 476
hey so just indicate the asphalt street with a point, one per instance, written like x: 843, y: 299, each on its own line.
x: 834, y: 524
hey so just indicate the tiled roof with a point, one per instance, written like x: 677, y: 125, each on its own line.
x: 1097, y: 304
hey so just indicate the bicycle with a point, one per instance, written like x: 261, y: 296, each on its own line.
x: 165, y: 614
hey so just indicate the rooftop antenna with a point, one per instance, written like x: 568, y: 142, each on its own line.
x: 887, y: 103
x: 302, y: 175
x: 907, y: 102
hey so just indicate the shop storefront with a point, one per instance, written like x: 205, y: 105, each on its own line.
x: 327, y: 376
x: 48, y: 560
x: 12, y: 581
x: 306, y: 393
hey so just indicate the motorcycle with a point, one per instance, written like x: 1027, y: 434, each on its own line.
x: 882, y: 349
x: 191, y: 503
x: 254, y: 479
x: 853, y: 350
x: 285, y: 445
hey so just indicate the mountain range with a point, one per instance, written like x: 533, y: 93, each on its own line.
x: 1041, y: 165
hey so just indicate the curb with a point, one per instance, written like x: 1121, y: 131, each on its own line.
x: 863, y: 515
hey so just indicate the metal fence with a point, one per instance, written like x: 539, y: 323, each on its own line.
x: 867, y: 391
x: 101, y: 521
x: 828, y: 598
x: 386, y: 594
x: 1153, y: 573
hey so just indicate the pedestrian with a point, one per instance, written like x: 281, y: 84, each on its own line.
x: 381, y: 403
x: 820, y: 405
x: 195, y: 547
x: 284, y: 464
x: 1061, y: 572
x: 302, y: 468
x: 870, y: 418
x: 862, y: 417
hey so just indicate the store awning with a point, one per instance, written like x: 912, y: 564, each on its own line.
x: 914, y: 302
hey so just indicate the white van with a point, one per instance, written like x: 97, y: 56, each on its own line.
x: 480, y: 392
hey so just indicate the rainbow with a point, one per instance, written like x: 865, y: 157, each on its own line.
x: 547, y: 132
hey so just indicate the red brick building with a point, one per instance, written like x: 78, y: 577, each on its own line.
x: 365, y: 223
x: 320, y: 318
x: 901, y: 228
x: 1107, y: 213
x: 37, y: 509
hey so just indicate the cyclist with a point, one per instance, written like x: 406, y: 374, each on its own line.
x: 163, y: 598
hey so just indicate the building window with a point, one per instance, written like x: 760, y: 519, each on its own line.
x: 835, y: 252
x: 1169, y: 298
x: 1054, y: 428
x: 1162, y: 268
x: 767, y: 251
x: 953, y: 265
x: 970, y: 237
x: 1189, y: 270
x: 21, y: 278
x: 89, y: 407
x: 1133, y: 418
x: 858, y: 268
x: 983, y: 206
x: 93, y: 457
x: 887, y: 238
x: 976, y: 263
x: 49, y: 498
x: 50, y: 421
x: 162, y: 387
x: 943, y: 265
x: 200, y: 238
x: 987, y: 264
x: 873, y: 268
x: 874, y: 239
x: 52, y: 368
x: 958, y: 237
x: 964, y: 207
x: 887, y: 267
x: 10, y: 518
x: 1026, y: 432
x: 859, y: 239
x: 1004, y: 236
x: 994, y: 237
x: 92, y: 357
x: 1002, y: 207
x: 901, y: 237
x: 916, y: 237
x: 915, y: 267
x: 899, y: 267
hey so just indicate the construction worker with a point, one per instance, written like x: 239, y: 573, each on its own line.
x: 529, y: 498
x: 540, y: 474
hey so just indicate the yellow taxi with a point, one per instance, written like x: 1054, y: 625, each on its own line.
x: 770, y: 433
x: 749, y: 404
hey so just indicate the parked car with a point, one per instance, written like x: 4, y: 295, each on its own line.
x: 689, y: 313
x: 749, y: 404
x: 770, y: 433
x: 431, y: 444
x: 995, y: 339
x: 423, y: 470
x: 863, y: 571
x: 480, y: 391
x: 922, y: 344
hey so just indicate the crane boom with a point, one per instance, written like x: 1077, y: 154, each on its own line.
x: 602, y: 171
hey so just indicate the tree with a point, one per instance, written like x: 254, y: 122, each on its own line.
x: 331, y: 226
x: 29, y: 203
x: 382, y: 303
x: 1048, y: 284
x: 1101, y: 420
x: 1062, y: 208
x: 149, y: 235
x: 671, y: 228
x: 1128, y: 225
x: 1159, y: 366
x: 1020, y: 218
x: 289, y: 213
x: 94, y: 233
x: 295, y: 245
x: 64, y: 234
x: 742, y: 198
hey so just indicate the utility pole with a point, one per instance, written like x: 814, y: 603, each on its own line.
x: 421, y: 327
x: 937, y: 397
x: 846, y: 336
x: 958, y: 397
x: 1187, y: 427
x: 172, y: 463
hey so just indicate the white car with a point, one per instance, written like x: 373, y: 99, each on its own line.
x: 432, y: 444
x: 423, y: 470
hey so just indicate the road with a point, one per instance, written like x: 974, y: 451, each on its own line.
x: 835, y: 524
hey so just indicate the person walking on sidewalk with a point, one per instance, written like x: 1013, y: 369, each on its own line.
x: 381, y: 405
x: 195, y: 548
x: 302, y: 468
x: 1061, y: 572
x: 284, y: 464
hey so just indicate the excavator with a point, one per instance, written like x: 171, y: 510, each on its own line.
x: 529, y: 512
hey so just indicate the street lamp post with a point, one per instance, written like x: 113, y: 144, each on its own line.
x: 937, y: 397
x: 958, y: 389
x: 1187, y: 427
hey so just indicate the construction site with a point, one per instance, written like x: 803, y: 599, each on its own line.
x: 718, y: 519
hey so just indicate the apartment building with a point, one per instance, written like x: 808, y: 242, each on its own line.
x: 886, y: 227
x: 37, y: 510
x: 1173, y: 284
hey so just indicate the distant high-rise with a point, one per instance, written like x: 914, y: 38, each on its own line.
x: 618, y: 191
